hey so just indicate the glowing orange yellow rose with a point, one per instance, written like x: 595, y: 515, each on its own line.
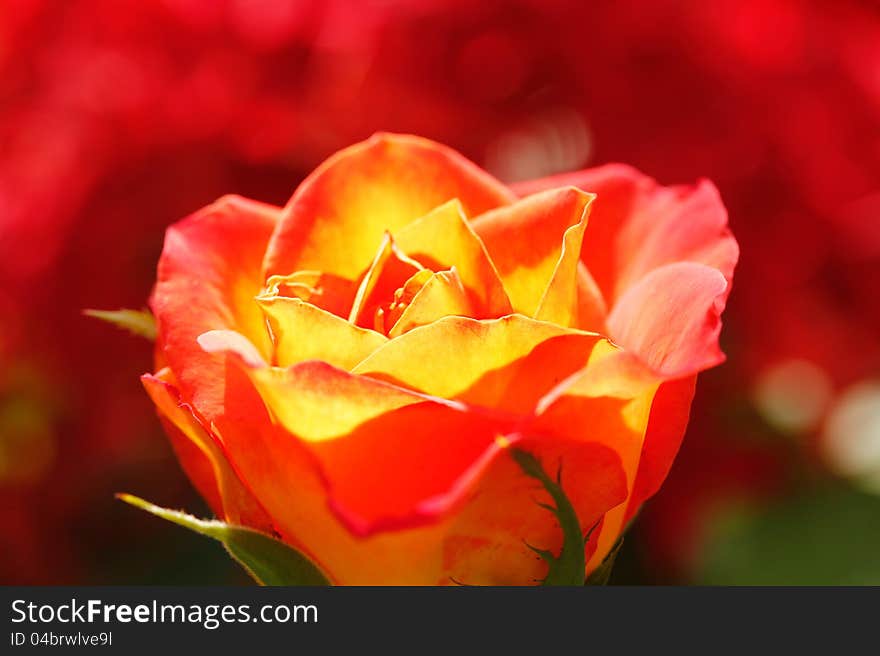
x: 350, y: 371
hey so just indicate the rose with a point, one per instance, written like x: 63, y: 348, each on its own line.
x: 351, y: 372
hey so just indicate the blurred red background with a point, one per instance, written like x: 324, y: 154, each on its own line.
x: 118, y: 117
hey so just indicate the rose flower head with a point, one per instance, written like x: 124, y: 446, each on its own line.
x: 355, y: 373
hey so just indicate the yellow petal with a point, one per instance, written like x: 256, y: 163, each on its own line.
x: 323, y: 290
x: 559, y: 304
x: 302, y: 331
x: 315, y: 397
x: 338, y: 214
x: 525, y: 241
x: 443, y: 239
x: 442, y: 295
x: 504, y: 364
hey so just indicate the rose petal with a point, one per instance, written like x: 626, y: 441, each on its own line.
x: 302, y: 331
x: 636, y: 225
x: 339, y: 213
x: 591, y: 309
x: 560, y: 302
x: 441, y: 296
x: 352, y: 425
x: 389, y: 271
x: 486, y: 542
x: 525, y: 241
x: 505, y: 364
x: 607, y: 402
x: 671, y: 319
x: 619, y: 374
x: 323, y: 290
x: 203, y: 458
x: 443, y: 239
x: 468, y: 521
x: 670, y: 412
x: 479, y: 531
x: 209, y: 273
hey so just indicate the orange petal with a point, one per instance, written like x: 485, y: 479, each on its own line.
x: 671, y: 319
x: 636, y: 225
x: 390, y: 270
x: 669, y: 418
x: 592, y: 310
x: 611, y: 408
x: 352, y: 426
x: 662, y: 260
x: 525, y: 241
x: 322, y: 290
x: 339, y: 213
x: 443, y: 239
x: 475, y: 531
x: 560, y: 303
x: 504, y: 364
x: 209, y: 273
x: 288, y: 480
x: 442, y: 295
x: 622, y: 375
x: 479, y: 537
x: 302, y: 331
x: 486, y: 540
x: 202, y: 458
x: 319, y: 399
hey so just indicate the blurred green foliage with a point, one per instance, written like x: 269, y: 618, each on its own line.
x: 825, y: 536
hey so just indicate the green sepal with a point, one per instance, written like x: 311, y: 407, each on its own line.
x: 568, y: 567
x: 267, y: 560
x: 602, y: 573
x: 138, y: 322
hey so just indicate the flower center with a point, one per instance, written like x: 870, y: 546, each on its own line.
x: 387, y: 313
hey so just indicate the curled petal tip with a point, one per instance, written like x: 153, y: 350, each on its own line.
x: 229, y: 341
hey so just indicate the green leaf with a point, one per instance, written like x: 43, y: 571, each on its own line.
x: 823, y: 536
x: 602, y: 574
x: 568, y: 567
x: 267, y: 560
x: 137, y: 322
